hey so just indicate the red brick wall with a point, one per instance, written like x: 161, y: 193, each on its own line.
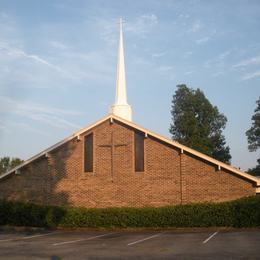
x: 204, y: 182
x: 169, y: 177
x: 30, y: 185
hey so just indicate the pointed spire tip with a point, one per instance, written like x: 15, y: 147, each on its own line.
x: 121, y: 107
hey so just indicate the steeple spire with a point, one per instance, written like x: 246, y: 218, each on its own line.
x: 121, y: 107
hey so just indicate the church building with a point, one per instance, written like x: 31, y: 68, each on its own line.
x: 117, y: 163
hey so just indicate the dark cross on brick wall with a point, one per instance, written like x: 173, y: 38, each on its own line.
x: 112, y: 145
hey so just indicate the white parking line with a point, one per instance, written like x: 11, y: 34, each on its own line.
x: 41, y: 235
x: 141, y: 240
x: 10, y: 239
x: 79, y: 240
x: 214, y: 234
x: 27, y: 237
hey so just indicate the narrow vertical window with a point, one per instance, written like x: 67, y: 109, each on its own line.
x: 88, y: 153
x: 139, y: 152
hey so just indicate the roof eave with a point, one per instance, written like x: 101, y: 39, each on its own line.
x: 44, y: 152
x: 147, y: 132
x: 191, y: 151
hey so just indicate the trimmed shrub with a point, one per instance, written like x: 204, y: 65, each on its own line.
x: 244, y: 212
x: 247, y: 212
x: 22, y: 214
x: 53, y: 216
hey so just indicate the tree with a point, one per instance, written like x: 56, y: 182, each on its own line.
x: 198, y: 124
x: 256, y: 170
x: 7, y: 163
x: 253, y: 137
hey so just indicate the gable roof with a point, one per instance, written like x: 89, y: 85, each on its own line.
x: 147, y: 132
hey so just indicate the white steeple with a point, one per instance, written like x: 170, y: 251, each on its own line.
x: 121, y: 107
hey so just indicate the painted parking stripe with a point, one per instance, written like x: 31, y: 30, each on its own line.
x: 10, y: 239
x: 144, y: 239
x: 206, y: 240
x: 40, y: 235
x: 79, y: 240
x: 27, y: 237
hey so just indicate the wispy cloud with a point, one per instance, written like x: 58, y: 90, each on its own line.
x: 7, y: 23
x: 223, y: 55
x: 251, y: 75
x: 167, y: 71
x: 48, y: 119
x: 18, y: 53
x: 158, y: 55
x: 26, y: 127
x: 189, y: 72
x: 19, y: 69
x: 243, y: 65
x: 219, y: 60
x: 165, y: 68
x: 4, y: 15
x: 59, y: 45
x: 108, y: 30
x: 183, y: 16
x: 218, y: 73
x: 2, y: 126
x: 48, y: 115
x: 195, y: 27
x: 187, y: 54
x: 142, y: 24
x: 203, y: 40
x: 251, y: 61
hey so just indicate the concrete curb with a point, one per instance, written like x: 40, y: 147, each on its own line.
x: 172, y: 229
x: 20, y: 229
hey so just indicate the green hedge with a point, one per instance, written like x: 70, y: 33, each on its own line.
x: 239, y: 213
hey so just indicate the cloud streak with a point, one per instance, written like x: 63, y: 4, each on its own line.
x: 58, y: 45
x: 252, y: 61
x: 158, y: 55
x: 219, y: 60
x: 140, y: 26
x: 18, y: 53
x: 143, y: 24
x: 26, y: 127
x: 251, y: 75
x: 196, y: 27
x: 203, y: 40
x: 48, y: 115
x: 19, y: 69
x: 246, y: 63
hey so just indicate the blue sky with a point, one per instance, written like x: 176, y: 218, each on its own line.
x: 58, y: 65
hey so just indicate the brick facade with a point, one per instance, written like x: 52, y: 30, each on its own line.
x: 170, y: 176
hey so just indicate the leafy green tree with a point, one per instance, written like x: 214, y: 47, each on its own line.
x: 7, y: 163
x: 253, y: 137
x: 198, y: 124
x: 256, y: 170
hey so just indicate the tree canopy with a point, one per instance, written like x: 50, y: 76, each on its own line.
x: 198, y: 124
x: 253, y: 137
x: 7, y: 163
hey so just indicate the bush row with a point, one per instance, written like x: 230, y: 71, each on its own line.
x: 239, y: 213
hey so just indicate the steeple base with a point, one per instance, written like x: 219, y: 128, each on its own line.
x: 123, y: 111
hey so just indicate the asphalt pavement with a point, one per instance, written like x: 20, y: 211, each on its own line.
x: 116, y: 244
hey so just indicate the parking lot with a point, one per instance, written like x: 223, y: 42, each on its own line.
x: 165, y: 244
